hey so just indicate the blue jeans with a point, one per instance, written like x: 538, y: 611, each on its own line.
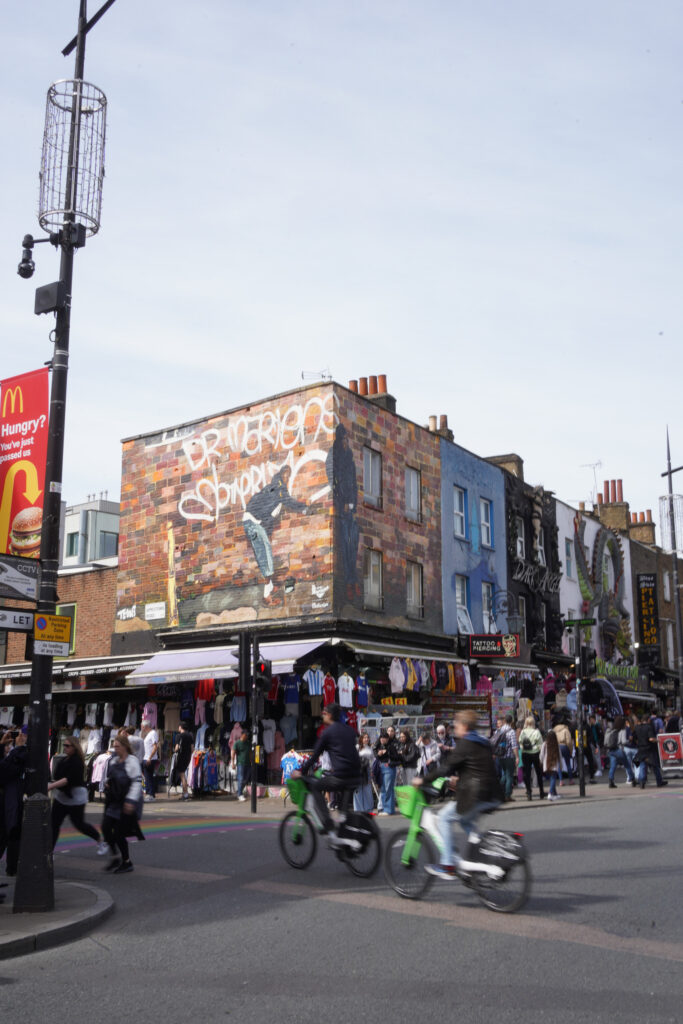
x: 619, y: 757
x: 388, y: 795
x: 363, y: 799
x: 242, y: 775
x: 507, y: 767
x: 642, y: 771
x: 447, y: 818
x: 553, y: 777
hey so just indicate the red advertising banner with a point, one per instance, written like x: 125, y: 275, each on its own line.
x: 24, y: 407
x: 670, y: 750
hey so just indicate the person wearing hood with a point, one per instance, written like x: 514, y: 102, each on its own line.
x: 472, y: 773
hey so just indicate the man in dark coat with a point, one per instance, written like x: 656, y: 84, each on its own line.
x: 472, y: 773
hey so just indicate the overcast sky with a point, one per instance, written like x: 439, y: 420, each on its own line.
x: 481, y: 199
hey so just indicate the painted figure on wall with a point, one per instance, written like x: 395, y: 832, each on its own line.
x: 261, y: 515
x: 341, y: 473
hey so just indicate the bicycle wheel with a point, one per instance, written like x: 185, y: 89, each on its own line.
x: 409, y: 880
x: 365, y: 862
x: 298, y: 841
x: 507, y: 894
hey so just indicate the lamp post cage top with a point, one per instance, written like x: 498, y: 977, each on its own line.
x: 71, y: 187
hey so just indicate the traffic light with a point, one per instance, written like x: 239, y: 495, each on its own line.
x: 588, y: 666
x: 263, y: 673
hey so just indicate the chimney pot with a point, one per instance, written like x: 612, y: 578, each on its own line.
x: 353, y: 386
x: 432, y: 423
x: 382, y: 383
x: 620, y: 490
x: 648, y: 516
x: 605, y: 492
x: 582, y: 506
x: 600, y: 498
x: 372, y: 381
x: 362, y: 385
x: 613, y: 486
x: 634, y: 517
x: 641, y: 517
x: 443, y: 423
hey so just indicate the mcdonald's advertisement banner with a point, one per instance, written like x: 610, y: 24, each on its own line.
x: 24, y: 407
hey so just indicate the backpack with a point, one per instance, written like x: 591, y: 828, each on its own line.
x: 501, y: 747
x: 526, y: 743
x: 611, y: 740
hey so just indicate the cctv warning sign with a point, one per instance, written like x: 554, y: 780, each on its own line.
x: 24, y: 405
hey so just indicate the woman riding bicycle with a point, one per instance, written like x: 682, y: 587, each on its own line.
x: 472, y: 773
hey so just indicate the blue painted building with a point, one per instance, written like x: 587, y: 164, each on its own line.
x: 474, y: 556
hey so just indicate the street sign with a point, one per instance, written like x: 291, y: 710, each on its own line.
x: 19, y: 577
x: 52, y: 634
x: 568, y: 623
x: 13, y: 618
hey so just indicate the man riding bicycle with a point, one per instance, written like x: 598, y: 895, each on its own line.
x: 339, y: 741
x: 472, y: 772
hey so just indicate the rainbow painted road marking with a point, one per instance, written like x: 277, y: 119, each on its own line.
x: 172, y: 828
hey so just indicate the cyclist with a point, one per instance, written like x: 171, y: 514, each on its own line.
x: 339, y: 741
x: 472, y: 773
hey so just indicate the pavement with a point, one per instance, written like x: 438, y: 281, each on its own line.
x: 79, y: 907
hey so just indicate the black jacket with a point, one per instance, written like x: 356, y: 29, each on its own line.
x: 340, y: 743
x: 472, y: 761
x: 408, y: 753
x: 388, y: 753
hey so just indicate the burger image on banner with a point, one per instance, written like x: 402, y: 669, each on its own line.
x: 24, y: 538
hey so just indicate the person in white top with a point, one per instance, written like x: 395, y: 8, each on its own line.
x: 150, y: 738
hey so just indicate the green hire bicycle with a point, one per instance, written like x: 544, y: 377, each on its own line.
x: 497, y: 867
x: 355, y: 841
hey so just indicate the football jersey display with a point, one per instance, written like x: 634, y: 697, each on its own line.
x: 314, y: 680
x: 346, y: 687
x: 329, y: 690
x: 361, y: 692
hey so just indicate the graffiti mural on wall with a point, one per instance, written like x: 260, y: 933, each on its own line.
x: 603, y: 589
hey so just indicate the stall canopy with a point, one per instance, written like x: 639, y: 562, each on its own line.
x: 186, y: 666
x: 635, y: 696
x: 381, y: 650
x: 70, y: 667
x: 285, y: 653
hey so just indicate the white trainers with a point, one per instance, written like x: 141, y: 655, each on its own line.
x: 241, y: 799
x: 102, y: 849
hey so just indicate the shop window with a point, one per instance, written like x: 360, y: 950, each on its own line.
x: 69, y: 610
x: 486, y: 517
x: 459, y: 512
x: 413, y: 494
x: 372, y: 477
x: 414, y: 602
x: 373, y: 583
x: 521, y: 546
x: 462, y: 587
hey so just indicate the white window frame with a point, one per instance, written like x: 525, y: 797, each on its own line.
x: 372, y: 477
x: 544, y: 620
x: 669, y: 636
x: 459, y: 512
x: 541, y: 548
x: 414, y: 591
x: 521, y: 539
x: 666, y: 586
x: 413, y: 489
x: 568, y: 557
x: 373, y: 579
x: 486, y: 522
x: 487, y: 600
x: 71, y: 537
x: 462, y: 604
x: 69, y: 608
x: 571, y: 636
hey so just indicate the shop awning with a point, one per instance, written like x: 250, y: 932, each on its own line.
x: 186, y: 666
x: 285, y: 653
x: 635, y: 696
x: 380, y: 650
x: 71, y: 667
x: 506, y: 665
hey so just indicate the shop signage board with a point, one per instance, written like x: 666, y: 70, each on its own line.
x: 494, y: 645
x: 19, y: 578
x: 52, y: 635
x: 16, y: 619
x: 581, y: 623
x: 670, y: 747
x: 648, y: 611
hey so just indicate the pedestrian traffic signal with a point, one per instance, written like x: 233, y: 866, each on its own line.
x: 588, y: 666
x: 263, y: 673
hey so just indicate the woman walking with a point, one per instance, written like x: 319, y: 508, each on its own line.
x: 363, y: 799
x: 123, y: 804
x: 530, y: 742
x: 70, y: 794
x: 550, y: 761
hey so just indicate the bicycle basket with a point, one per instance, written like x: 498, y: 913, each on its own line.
x: 406, y: 799
x: 297, y: 790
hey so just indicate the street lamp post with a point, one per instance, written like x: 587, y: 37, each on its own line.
x: 674, y: 573
x: 72, y: 169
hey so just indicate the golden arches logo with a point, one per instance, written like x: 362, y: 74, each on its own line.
x: 16, y: 397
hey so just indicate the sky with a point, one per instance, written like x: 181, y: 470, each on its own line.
x: 481, y: 199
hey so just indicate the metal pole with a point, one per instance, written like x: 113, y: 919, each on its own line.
x: 579, y: 742
x: 674, y: 574
x: 34, y: 890
x: 254, y: 727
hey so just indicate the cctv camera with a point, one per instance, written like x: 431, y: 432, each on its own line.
x: 27, y: 266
